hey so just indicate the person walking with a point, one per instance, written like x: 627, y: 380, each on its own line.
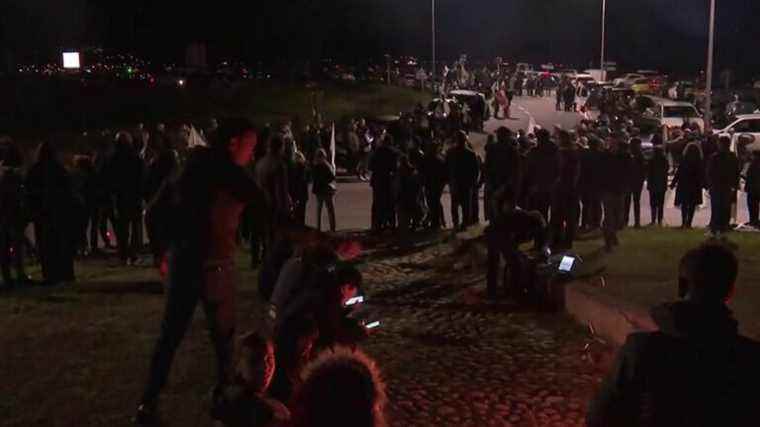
x: 209, y: 198
x: 657, y: 184
x: 688, y: 183
x: 324, y: 188
x: 723, y: 181
x: 51, y: 203
x: 636, y: 181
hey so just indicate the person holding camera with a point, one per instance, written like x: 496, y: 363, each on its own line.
x: 511, y: 227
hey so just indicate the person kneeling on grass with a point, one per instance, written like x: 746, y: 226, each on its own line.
x: 696, y: 370
x: 246, y: 403
x: 340, y: 388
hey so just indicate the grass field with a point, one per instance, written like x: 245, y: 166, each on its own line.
x: 644, y: 270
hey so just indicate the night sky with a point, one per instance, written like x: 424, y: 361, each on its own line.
x: 670, y: 34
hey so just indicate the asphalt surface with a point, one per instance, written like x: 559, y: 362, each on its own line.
x: 354, y: 199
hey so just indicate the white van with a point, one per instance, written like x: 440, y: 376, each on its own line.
x: 669, y: 114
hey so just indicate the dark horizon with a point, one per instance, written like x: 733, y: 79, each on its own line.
x: 666, y: 34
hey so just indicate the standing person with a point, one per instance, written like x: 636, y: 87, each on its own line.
x: 409, y: 197
x: 102, y: 199
x: 159, y: 173
x: 660, y: 378
x: 636, y: 182
x: 272, y: 177
x: 688, y: 183
x: 617, y: 163
x: 723, y: 181
x: 51, y: 204
x: 13, y: 221
x: 323, y: 187
x: 210, y: 196
x: 503, y: 166
x: 256, y: 229
x: 298, y: 182
x: 657, y: 184
x: 463, y: 167
x: 383, y: 165
x: 125, y: 173
x: 592, y: 170
x: 434, y: 177
x: 565, y: 198
x: 543, y: 171
x: 752, y: 188
x: 559, y: 96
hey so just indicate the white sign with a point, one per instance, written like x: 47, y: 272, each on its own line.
x: 71, y: 60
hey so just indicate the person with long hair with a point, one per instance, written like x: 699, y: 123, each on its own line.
x: 688, y: 183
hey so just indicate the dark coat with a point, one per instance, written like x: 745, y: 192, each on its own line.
x: 617, y: 167
x: 568, y: 177
x: 752, y: 185
x: 723, y: 172
x: 638, y: 172
x: 503, y: 165
x: 592, y: 171
x: 382, y: 164
x: 543, y: 167
x: 657, y: 174
x: 689, y: 181
x: 125, y: 175
x: 695, y: 371
x: 322, y: 178
x: 298, y: 180
x: 434, y: 173
x: 463, y: 166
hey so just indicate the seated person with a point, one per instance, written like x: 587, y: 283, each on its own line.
x: 245, y: 404
x: 696, y: 370
x: 510, y: 227
x: 340, y: 388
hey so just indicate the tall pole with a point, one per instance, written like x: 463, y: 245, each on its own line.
x: 602, y: 65
x: 709, y: 73
x: 432, y: 76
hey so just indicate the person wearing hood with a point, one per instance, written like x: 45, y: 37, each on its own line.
x: 695, y: 370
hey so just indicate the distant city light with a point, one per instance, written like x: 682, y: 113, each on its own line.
x: 71, y: 60
x: 181, y: 82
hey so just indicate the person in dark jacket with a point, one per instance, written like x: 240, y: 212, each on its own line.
x: 696, y: 370
x: 323, y: 187
x: 464, y: 171
x: 503, y: 166
x: 51, y: 204
x: 688, y: 183
x: 617, y: 164
x: 272, y: 177
x: 723, y: 181
x: 590, y: 184
x: 159, y: 173
x: 125, y: 175
x: 409, y: 197
x: 657, y: 184
x: 383, y: 163
x: 752, y: 188
x: 542, y: 171
x: 298, y: 182
x: 13, y: 220
x: 208, y: 198
x: 434, y: 178
x: 566, y: 197
x: 636, y: 181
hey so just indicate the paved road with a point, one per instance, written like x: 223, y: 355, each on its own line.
x: 354, y: 199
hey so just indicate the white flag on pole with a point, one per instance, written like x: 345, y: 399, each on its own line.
x: 332, y: 146
x: 195, y: 139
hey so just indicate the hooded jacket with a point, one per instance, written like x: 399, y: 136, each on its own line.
x: 695, y: 371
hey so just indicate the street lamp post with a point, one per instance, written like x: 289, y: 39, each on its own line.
x: 602, y: 65
x: 709, y: 72
x: 433, y: 32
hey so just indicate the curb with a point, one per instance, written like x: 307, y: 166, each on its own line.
x: 606, y: 317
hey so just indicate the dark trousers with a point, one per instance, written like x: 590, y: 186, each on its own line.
x: 720, y: 204
x: 475, y: 206
x: 214, y: 287
x: 129, y: 230
x: 592, y: 211
x: 461, y: 199
x: 657, y: 205
x: 614, y: 204
x: 157, y: 238
x: 99, y: 227
x: 687, y: 214
x: 541, y: 201
x: 12, y: 253
x: 633, y: 198
x: 55, y: 248
x: 382, y: 207
x: 435, y: 208
x: 299, y: 211
x: 753, y: 206
x: 510, y: 276
x: 565, y: 215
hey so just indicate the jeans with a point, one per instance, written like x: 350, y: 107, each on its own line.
x: 214, y: 287
x: 322, y: 201
x: 614, y: 204
x: 657, y: 205
x: 720, y: 204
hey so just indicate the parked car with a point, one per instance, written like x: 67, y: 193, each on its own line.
x: 744, y: 133
x: 626, y: 80
x: 681, y: 91
x: 642, y: 86
x: 667, y: 114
